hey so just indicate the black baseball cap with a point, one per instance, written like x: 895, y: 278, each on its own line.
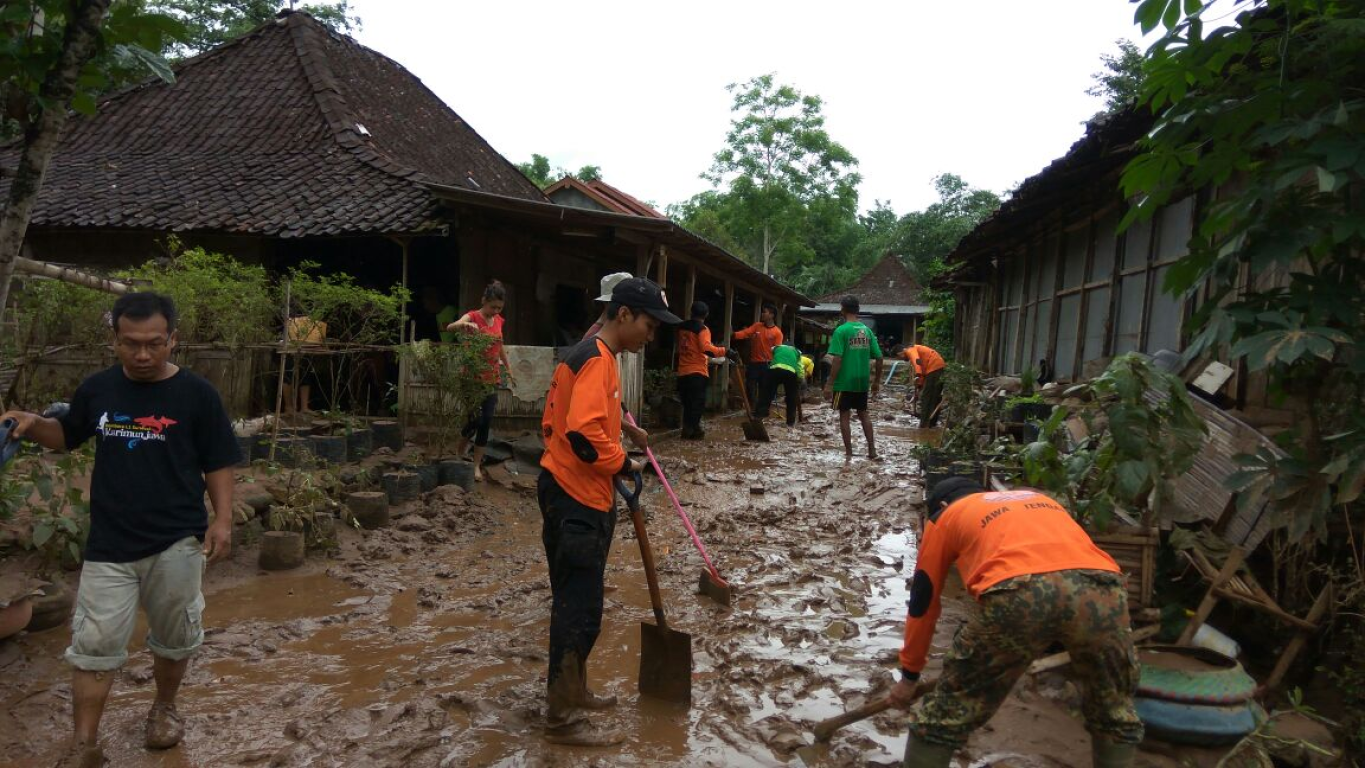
x: 645, y: 295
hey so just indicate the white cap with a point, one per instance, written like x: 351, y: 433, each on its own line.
x: 609, y: 282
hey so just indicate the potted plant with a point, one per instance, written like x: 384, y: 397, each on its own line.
x: 454, y: 375
x: 303, y: 502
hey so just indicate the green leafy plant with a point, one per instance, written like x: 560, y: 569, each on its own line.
x: 1266, y: 111
x: 219, y: 299
x: 1142, y: 433
x: 303, y: 499
x: 50, y: 492
x: 457, y: 372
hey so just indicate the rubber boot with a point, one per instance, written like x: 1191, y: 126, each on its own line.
x: 564, y: 721
x: 589, y: 700
x: 923, y: 754
x: 1107, y: 753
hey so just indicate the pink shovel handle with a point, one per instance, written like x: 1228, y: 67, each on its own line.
x: 677, y: 505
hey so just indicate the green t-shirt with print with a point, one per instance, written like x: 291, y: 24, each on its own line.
x: 856, y: 346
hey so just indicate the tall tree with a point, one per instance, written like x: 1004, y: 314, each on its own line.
x: 210, y: 23
x: 925, y: 237
x: 1120, y: 82
x: 778, y: 163
x: 60, y: 55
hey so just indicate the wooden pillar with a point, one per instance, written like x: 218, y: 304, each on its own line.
x: 689, y: 292
x: 661, y: 273
x: 643, y: 254
x: 729, y: 330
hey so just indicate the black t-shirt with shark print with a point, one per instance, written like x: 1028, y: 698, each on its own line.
x: 154, y: 442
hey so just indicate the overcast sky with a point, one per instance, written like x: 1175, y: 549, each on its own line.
x: 990, y: 90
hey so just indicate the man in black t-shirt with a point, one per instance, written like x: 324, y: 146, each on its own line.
x: 162, y: 439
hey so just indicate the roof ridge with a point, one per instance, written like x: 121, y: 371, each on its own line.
x: 333, y: 106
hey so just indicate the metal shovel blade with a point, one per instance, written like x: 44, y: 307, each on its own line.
x: 665, y: 663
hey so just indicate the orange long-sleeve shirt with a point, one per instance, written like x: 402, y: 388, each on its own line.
x: 582, y: 424
x: 992, y: 537
x: 695, y: 349
x: 925, y: 360
x: 764, y: 339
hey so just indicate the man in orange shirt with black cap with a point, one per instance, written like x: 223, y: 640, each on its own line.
x: 582, y: 431
x: 1038, y: 579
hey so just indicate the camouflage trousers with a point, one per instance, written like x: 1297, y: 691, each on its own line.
x: 1086, y: 611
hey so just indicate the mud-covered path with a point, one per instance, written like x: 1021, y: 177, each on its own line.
x: 424, y: 644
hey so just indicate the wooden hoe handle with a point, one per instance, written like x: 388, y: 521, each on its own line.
x: 826, y: 728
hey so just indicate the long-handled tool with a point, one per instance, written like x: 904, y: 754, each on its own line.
x: 754, y: 431
x: 665, y: 654
x: 710, y: 584
x: 825, y: 728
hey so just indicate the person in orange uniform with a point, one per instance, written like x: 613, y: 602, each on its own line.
x: 695, y: 351
x: 1038, y: 579
x: 763, y: 336
x: 927, y: 365
x: 582, y: 430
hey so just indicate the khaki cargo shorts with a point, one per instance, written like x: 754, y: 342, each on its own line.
x: 166, y: 584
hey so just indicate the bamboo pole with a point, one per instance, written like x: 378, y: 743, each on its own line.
x: 68, y: 275
x: 284, y: 363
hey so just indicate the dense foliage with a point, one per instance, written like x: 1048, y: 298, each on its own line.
x: 1271, y: 111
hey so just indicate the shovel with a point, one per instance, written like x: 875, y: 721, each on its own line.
x: 711, y: 584
x: 665, y: 654
x: 754, y: 431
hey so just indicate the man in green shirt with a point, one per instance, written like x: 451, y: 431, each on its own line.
x: 783, y: 372
x: 851, y: 351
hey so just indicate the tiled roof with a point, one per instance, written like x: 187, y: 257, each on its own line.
x: 289, y: 131
x: 889, y: 282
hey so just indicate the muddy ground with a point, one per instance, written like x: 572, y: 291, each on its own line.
x: 424, y: 644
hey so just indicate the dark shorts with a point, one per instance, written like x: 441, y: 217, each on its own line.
x: 850, y: 401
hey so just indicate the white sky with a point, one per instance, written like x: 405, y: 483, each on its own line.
x: 990, y: 90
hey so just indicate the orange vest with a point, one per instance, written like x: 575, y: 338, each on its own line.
x: 992, y: 537
x: 764, y: 339
x: 695, y: 349
x: 582, y: 424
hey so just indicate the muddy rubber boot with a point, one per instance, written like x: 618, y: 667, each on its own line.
x: 564, y: 721
x: 922, y: 754
x: 1107, y: 753
x: 589, y: 700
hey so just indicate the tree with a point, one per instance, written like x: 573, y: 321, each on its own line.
x: 60, y: 55
x: 211, y: 23
x: 1270, y: 112
x: 542, y: 175
x: 780, y: 163
x: 926, y: 237
x: 1120, y: 82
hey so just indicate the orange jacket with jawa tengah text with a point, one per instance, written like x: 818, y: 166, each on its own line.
x: 582, y: 424
x: 764, y: 339
x: 695, y: 349
x: 992, y: 537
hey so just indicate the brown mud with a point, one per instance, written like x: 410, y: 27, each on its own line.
x: 424, y: 644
